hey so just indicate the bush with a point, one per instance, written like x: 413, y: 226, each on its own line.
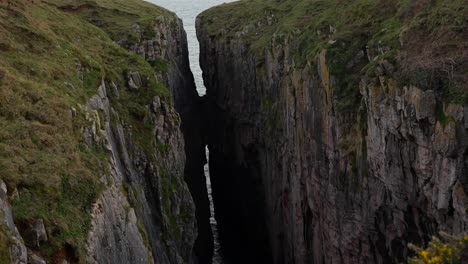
x: 444, y: 250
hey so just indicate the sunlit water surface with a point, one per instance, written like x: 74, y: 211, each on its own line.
x: 188, y: 10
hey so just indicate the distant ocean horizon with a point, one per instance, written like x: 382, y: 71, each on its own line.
x: 188, y: 10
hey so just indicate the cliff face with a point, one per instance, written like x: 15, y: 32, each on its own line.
x: 97, y: 175
x: 170, y: 45
x: 328, y: 144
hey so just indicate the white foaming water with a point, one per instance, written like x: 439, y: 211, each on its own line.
x: 217, y: 258
x: 188, y: 10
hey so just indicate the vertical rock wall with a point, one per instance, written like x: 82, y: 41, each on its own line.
x: 143, y: 216
x: 170, y: 231
x: 298, y: 180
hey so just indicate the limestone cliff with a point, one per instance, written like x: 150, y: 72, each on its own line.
x: 338, y: 132
x: 92, y: 156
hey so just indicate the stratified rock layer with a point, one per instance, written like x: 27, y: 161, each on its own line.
x: 296, y: 178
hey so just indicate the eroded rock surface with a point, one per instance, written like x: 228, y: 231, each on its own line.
x: 169, y: 44
x: 18, y: 251
x: 117, y: 116
x: 152, y: 212
x: 296, y: 179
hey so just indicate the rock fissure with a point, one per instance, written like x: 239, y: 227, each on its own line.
x: 331, y: 139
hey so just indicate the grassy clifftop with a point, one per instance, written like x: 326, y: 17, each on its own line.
x: 53, y: 56
x: 427, y: 39
x: 116, y: 18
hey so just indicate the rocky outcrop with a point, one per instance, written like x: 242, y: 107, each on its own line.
x: 300, y: 178
x: 146, y: 213
x: 17, y: 249
x: 160, y: 228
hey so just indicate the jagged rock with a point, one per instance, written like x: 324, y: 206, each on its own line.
x: 18, y: 251
x: 111, y: 223
x: 89, y: 136
x: 70, y: 86
x: 134, y: 80
x: 35, y: 259
x: 96, y: 103
x: 15, y: 194
x: 36, y: 233
x: 73, y: 112
x: 3, y: 190
x: 114, y: 89
x: 110, y: 213
x: 389, y: 68
x: 424, y: 102
x: 156, y: 104
x: 135, y: 179
x: 79, y: 70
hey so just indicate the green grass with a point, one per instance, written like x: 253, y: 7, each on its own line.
x: 159, y: 65
x: 41, y: 150
x: 432, y: 56
x: 117, y: 18
x: 443, y: 119
x: 436, y: 27
x: 144, y: 234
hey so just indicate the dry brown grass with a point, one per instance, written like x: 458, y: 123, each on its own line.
x: 435, y: 48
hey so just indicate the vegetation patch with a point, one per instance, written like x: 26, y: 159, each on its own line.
x: 120, y: 19
x: 53, y: 57
x: 159, y: 65
x: 422, y: 40
x: 444, y: 250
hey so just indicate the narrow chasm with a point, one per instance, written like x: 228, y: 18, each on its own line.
x: 228, y: 191
x: 236, y: 182
x: 236, y: 189
x: 189, y: 106
x: 195, y: 178
x: 224, y: 187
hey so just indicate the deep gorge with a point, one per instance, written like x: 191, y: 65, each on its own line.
x: 332, y: 138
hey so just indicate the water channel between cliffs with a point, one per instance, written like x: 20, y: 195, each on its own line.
x: 187, y: 10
